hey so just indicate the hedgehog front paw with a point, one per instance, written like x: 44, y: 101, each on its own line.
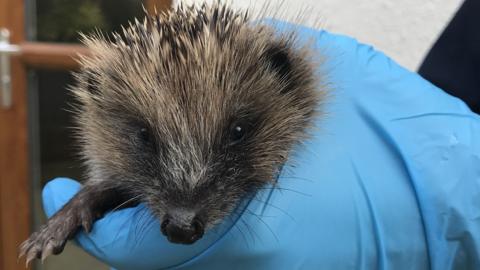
x: 51, y: 239
x: 53, y: 236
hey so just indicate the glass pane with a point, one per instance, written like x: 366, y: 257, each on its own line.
x: 62, y: 20
x: 55, y: 154
x: 53, y: 150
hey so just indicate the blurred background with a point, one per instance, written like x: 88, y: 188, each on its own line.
x: 35, y: 136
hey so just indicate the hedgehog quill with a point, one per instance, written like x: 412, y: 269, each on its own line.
x: 188, y: 112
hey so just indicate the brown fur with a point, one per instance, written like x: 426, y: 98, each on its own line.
x: 157, y: 106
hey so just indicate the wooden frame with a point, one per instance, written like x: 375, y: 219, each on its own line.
x: 15, y: 196
x: 151, y: 5
x: 51, y: 55
x: 14, y: 176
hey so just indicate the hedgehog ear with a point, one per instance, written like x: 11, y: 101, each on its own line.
x: 280, y: 62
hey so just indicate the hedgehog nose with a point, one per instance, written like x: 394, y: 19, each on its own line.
x: 182, y: 227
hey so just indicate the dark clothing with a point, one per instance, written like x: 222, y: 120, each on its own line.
x: 453, y: 63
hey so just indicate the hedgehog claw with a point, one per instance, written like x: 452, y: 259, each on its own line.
x: 47, y: 251
x: 30, y: 257
x: 50, y: 239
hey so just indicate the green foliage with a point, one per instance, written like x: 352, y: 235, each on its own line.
x: 63, y: 20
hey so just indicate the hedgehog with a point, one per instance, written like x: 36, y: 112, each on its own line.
x: 189, y: 111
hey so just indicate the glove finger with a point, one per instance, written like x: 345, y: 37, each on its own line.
x: 57, y: 193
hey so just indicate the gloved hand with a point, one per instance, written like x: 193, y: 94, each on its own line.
x: 390, y: 180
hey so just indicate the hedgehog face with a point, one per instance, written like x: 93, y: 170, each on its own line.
x: 194, y: 111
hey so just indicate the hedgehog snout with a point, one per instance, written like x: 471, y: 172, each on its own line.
x: 182, y: 226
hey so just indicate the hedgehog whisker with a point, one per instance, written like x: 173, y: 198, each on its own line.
x: 286, y: 189
x: 126, y: 202
x: 266, y: 225
x: 235, y: 224
x: 273, y: 206
x: 298, y: 178
x: 250, y: 230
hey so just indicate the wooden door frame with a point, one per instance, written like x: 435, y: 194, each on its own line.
x: 15, y: 183
x: 15, y: 210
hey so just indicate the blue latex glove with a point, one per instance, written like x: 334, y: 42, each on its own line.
x: 390, y: 181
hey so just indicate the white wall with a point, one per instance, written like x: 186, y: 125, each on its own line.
x: 403, y: 29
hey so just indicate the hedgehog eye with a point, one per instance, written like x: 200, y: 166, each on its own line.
x: 145, y: 135
x: 237, y: 132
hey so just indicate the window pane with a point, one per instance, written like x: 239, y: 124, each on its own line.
x: 62, y: 20
x: 55, y: 154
